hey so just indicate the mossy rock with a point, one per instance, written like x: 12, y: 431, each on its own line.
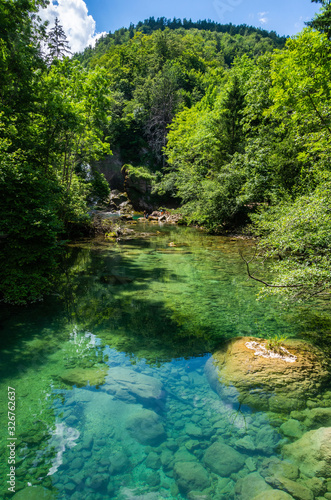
x: 240, y: 374
x: 82, y: 377
x: 34, y: 493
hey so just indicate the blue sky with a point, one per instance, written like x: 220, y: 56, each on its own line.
x: 85, y: 20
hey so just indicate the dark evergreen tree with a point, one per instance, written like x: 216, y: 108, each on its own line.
x: 58, y: 45
x: 322, y: 21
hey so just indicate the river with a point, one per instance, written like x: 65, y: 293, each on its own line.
x: 107, y: 374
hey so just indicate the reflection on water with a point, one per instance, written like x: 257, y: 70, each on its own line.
x: 112, y: 397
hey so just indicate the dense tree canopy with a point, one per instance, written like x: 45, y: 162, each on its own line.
x: 52, y: 124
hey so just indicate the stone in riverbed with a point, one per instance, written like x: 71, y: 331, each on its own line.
x: 132, y: 387
x: 146, y: 427
x: 273, y: 495
x: 82, y: 377
x: 275, y: 467
x: 266, y: 440
x: 34, y: 493
x: 153, y: 461
x: 312, y: 453
x: 119, y: 462
x: 317, y: 417
x: 193, y: 430
x: 191, y: 476
x: 250, y: 486
x: 241, y: 374
x: 182, y: 455
x: 294, y: 488
x: 223, y: 460
x: 245, y: 443
x: 292, y: 428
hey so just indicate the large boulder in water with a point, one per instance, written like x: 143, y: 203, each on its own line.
x: 244, y: 371
x: 133, y: 387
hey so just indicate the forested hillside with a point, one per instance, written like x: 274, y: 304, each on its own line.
x: 226, y: 120
x: 160, y: 68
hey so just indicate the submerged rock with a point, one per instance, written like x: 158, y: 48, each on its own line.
x: 273, y: 495
x: 223, y: 460
x: 34, y: 493
x: 146, y: 427
x: 294, y: 488
x: 191, y: 476
x: 81, y: 377
x: 317, y: 417
x: 119, y: 462
x: 275, y: 467
x: 243, y: 373
x: 312, y: 453
x: 292, y: 428
x: 250, y: 486
x: 153, y: 461
x: 266, y: 440
x: 131, y: 386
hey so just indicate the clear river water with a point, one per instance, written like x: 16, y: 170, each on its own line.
x: 107, y: 374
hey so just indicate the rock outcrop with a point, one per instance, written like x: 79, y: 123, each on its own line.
x: 165, y: 216
x: 244, y: 371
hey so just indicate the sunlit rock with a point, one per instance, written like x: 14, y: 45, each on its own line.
x: 246, y: 373
x: 317, y: 417
x: 275, y: 467
x: 81, y: 377
x: 292, y: 428
x: 312, y: 453
x: 294, y: 488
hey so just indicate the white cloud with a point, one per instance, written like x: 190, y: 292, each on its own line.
x: 78, y: 25
x: 263, y: 17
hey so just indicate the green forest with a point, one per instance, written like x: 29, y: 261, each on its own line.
x: 230, y: 124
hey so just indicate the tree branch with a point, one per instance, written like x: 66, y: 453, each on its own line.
x: 247, y: 262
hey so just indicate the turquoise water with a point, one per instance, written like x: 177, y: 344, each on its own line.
x: 111, y: 396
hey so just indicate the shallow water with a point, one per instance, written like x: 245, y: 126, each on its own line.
x: 147, y: 313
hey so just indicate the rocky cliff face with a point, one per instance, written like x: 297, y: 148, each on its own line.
x: 138, y: 190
